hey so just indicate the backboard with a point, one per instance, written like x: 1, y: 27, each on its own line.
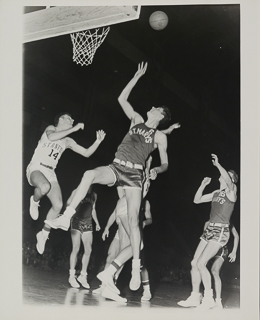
x: 45, y: 22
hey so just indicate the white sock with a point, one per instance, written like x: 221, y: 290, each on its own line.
x: 208, y: 293
x: 46, y: 232
x: 69, y: 212
x: 72, y: 272
x: 83, y: 273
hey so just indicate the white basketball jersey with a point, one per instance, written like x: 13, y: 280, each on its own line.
x: 48, y: 152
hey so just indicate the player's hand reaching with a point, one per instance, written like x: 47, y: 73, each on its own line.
x: 153, y: 174
x: 171, y: 128
x: 100, y: 135
x: 214, y: 160
x: 105, y: 234
x: 206, y: 181
x: 141, y: 70
x: 232, y: 257
x: 78, y: 126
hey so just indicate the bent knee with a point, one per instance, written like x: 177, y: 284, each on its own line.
x: 194, y: 263
x: 57, y: 206
x: 88, y: 175
x: 45, y: 187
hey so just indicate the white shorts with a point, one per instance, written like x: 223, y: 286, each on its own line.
x: 35, y: 166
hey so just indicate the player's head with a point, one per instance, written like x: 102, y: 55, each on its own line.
x: 161, y: 113
x: 65, y: 117
x: 233, y: 175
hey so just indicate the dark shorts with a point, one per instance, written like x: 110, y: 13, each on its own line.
x: 222, y: 253
x: 80, y: 225
x: 219, y: 234
x: 127, y: 177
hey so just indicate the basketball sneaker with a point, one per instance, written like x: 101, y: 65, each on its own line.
x: 83, y: 280
x: 107, y: 279
x: 206, y: 304
x: 99, y: 289
x: 73, y: 282
x: 136, y: 276
x: 34, y: 209
x: 41, y: 237
x: 146, y: 295
x: 193, y: 300
x: 218, y: 304
x: 62, y: 222
x: 108, y: 294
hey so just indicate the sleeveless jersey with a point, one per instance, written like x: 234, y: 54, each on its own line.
x: 85, y: 207
x: 221, y: 208
x: 137, y: 144
x: 48, y: 152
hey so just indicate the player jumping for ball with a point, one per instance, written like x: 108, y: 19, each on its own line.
x: 127, y: 169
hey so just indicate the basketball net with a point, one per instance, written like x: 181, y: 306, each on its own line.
x: 85, y: 44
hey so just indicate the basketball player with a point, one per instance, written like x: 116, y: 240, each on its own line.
x: 82, y: 230
x: 218, y: 260
x: 215, y: 236
x: 127, y: 169
x: 41, y: 169
x: 122, y: 241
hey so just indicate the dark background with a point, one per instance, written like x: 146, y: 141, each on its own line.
x: 193, y: 68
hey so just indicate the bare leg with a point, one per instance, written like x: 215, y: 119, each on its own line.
x: 195, y: 274
x: 209, y: 252
x: 87, y: 238
x: 133, y: 198
x: 75, y: 238
x: 215, y: 269
x: 41, y: 185
x: 101, y: 175
x: 112, y: 252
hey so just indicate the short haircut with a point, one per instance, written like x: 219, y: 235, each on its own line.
x: 58, y: 116
x: 235, y: 176
x: 167, y: 116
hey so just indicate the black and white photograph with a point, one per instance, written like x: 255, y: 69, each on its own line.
x: 138, y: 150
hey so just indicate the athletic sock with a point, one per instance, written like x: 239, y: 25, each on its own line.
x: 69, y: 212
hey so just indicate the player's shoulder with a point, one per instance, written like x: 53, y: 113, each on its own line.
x: 160, y: 137
x: 50, y: 128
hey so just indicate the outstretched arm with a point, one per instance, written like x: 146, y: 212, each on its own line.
x: 148, y: 216
x: 123, y: 98
x: 161, y: 141
x: 199, y: 198
x: 223, y: 173
x: 233, y: 253
x: 54, y: 135
x: 89, y: 151
x: 110, y: 221
x: 94, y: 214
x: 171, y: 128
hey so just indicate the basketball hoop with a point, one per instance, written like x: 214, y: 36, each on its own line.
x: 85, y: 44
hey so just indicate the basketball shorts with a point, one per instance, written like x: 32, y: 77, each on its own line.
x: 219, y: 234
x: 47, y: 171
x: 222, y: 253
x: 80, y: 225
x: 127, y: 177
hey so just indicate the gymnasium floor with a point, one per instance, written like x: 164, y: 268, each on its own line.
x: 51, y: 289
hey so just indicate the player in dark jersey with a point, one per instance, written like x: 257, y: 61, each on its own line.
x: 82, y: 230
x: 41, y: 170
x: 215, y: 236
x: 127, y: 169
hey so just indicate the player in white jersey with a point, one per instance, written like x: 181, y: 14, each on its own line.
x: 41, y: 169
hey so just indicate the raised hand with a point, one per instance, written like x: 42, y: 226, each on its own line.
x: 206, y: 181
x: 153, y: 174
x: 232, y: 257
x: 141, y: 70
x: 78, y: 126
x: 171, y: 128
x: 214, y: 159
x: 100, y: 135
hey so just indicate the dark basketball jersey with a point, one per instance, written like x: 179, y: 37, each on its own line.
x: 221, y: 208
x: 137, y: 144
x: 84, y: 209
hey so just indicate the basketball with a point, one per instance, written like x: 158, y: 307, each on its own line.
x: 158, y: 20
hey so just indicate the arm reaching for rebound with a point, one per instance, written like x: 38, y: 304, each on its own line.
x: 123, y: 98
